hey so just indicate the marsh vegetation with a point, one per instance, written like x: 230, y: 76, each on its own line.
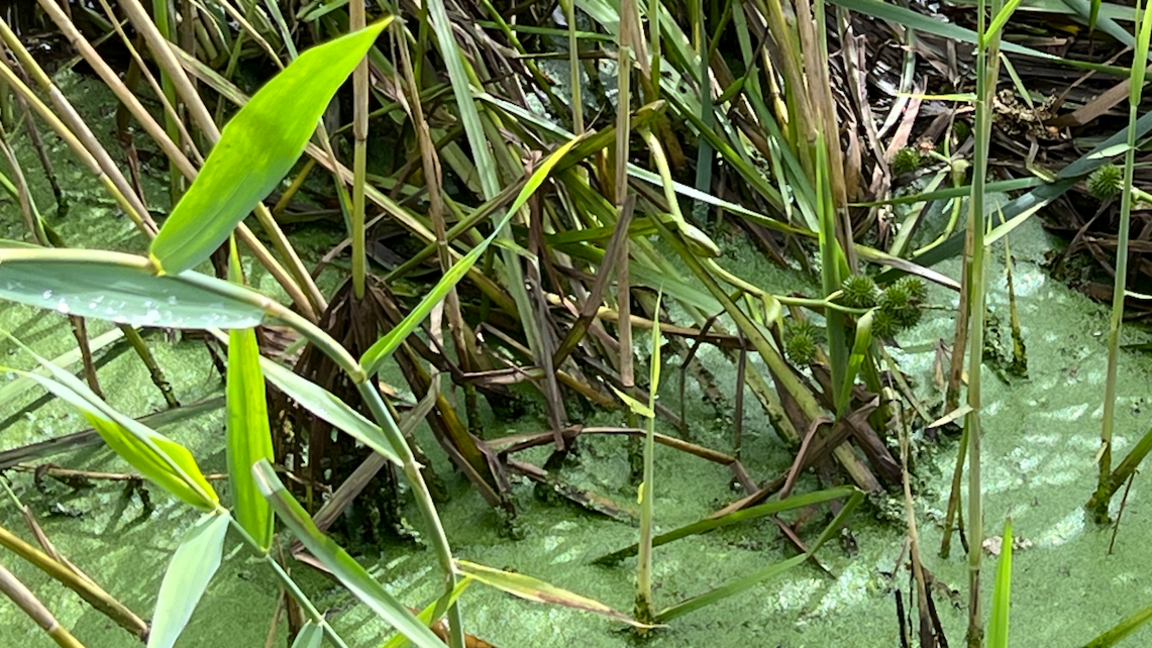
x: 574, y: 323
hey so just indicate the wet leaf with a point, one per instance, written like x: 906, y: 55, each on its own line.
x: 256, y: 149
x: 120, y: 288
x: 344, y: 567
x: 534, y: 589
x: 192, y: 567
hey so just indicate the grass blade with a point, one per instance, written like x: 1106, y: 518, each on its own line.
x: 343, y: 566
x: 325, y: 405
x: 860, y: 348
x: 1001, y: 593
x: 751, y: 513
x: 429, y: 614
x: 1126, y: 627
x: 256, y: 149
x: 157, y: 457
x: 534, y: 589
x: 193, y: 565
x: 764, y: 573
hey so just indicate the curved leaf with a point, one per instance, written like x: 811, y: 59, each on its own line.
x: 327, y: 406
x: 310, y: 636
x: 256, y: 149
x: 534, y: 589
x: 193, y: 565
x: 344, y: 567
x: 157, y: 457
x: 120, y: 288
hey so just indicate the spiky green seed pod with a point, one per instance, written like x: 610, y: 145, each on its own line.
x: 884, y: 326
x: 801, y: 340
x: 1104, y: 183
x: 906, y: 160
x: 914, y: 286
x: 902, y: 302
x: 859, y: 291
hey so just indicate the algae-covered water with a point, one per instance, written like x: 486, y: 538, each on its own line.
x: 1039, y: 445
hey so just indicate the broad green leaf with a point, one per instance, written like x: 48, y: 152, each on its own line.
x: 344, y: 567
x: 325, y: 405
x: 310, y: 636
x: 120, y: 288
x: 256, y: 149
x: 192, y: 567
x: 1001, y: 592
x: 157, y: 457
x: 248, y: 436
x: 534, y: 589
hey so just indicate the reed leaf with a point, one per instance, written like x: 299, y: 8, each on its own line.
x: 193, y: 565
x: 117, y: 287
x: 354, y: 577
x: 534, y: 589
x: 256, y: 150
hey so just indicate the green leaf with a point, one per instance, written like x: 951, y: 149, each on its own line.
x: 120, y: 288
x: 534, y: 589
x: 256, y: 149
x: 751, y: 513
x: 1127, y: 626
x: 1001, y: 592
x: 747, y: 582
x: 860, y: 347
x: 325, y: 405
x: 310, y: 636
x: 429, y: 614
x: 654, y: 368
x: 383, y: 348
x: 192, y: 567
x: 343, y: 566
x: 636, y: 406
x: 247, y: 434
x: 157, y: 457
